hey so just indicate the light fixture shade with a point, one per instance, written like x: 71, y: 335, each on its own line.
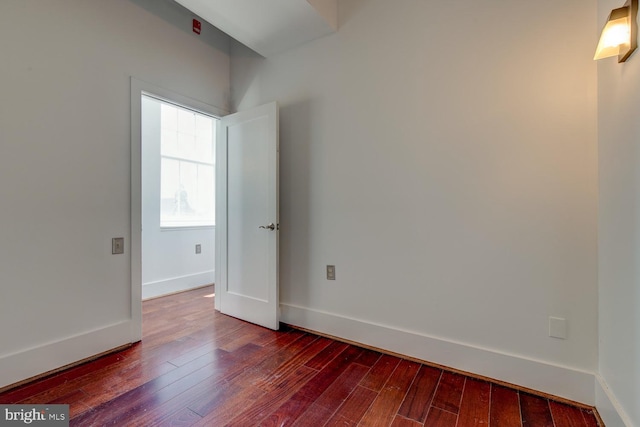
x: 619, y: 36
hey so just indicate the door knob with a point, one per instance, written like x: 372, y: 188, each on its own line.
x: 268, y: 227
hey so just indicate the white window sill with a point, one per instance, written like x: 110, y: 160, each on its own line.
x: 187, y: 227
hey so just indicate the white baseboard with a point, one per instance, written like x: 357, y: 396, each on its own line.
x: 556, y: 380
x: 177, y: 284
x: 608, y: 406
x: 34, y: 361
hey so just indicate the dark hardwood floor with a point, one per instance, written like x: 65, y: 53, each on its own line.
x: 196, y: 367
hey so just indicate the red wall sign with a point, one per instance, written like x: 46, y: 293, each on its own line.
x: 197, y: 26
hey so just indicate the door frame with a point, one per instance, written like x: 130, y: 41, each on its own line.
x: 139, y: 88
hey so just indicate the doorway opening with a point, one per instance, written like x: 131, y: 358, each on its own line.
x: 172, y: 242
x: 178, y: 197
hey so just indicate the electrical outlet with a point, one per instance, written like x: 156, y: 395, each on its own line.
x: 331, y: 272
x: 557, y: 327
x: 117, y: 245
x: 198, y: 248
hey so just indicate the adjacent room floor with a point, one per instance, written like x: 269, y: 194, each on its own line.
x: 197, y: 367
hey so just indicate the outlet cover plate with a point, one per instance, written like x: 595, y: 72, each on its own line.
x: 557, y: 327
x: 331, y: 272
x: 198, y: 248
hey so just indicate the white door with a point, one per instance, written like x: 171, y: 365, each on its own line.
x: 247, y: 218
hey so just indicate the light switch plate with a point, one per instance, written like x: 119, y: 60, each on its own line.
x: 198, y: 249
x: 117, y: 245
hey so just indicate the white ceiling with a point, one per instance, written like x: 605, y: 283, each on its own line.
x: 269, y: 26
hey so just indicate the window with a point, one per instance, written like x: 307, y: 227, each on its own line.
x: 187, y: 184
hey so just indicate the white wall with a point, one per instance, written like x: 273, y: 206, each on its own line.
x: 169, y: 260
x: 619, y: 230
x: 443, y: 156
x: 65, y: 163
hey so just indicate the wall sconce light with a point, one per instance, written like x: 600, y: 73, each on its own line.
x: 620, y: 33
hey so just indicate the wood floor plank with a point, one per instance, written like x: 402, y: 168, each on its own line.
x: 289, y: 412
x: 171, y: 401
x: 206, y: 381
x: 183, y: 418
x: 418, y: 400
x: 244, y: 410
x: 292, y: 365
x: 269, y: 336
x: 220, y: 407
x: 193, y: 354
x: 474, y: 407
x: 167, y: 335
x: 440, y: 418
x: 368, y: 358
x: 342, y: 387
x: 505, y: 407
x: 40, y: 386
x: 267, y: 355
x: 240, y: 340
x: 269, y: 358
x: 99, y: 398
x: 589, y: 418
x: 355, y: 406
x: 281, y: 392
x: 340, y: 422
x: 149, y: 395
x: 566, y: 416
x: 203, y: 342
x: 315, y: 415
x: 535, y: 411
x: 221, y: 330
x: 449, y: 392
x: 225, y: 403
x: 400, y: 421
x: 318, y: 384
x: 77, y: 409
x: 75, y: 402
x: 215, y: 389
x: 113, y: 386
x: 385, y: 407
x: 285, y: 338
x: 248, y: 395
x: 326, y: 355
x: 141, y: 365
x: 130, y: 376
x: 48, y: 394
x: 380, y: 372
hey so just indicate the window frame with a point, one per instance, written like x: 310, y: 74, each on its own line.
x: 213, y: 115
